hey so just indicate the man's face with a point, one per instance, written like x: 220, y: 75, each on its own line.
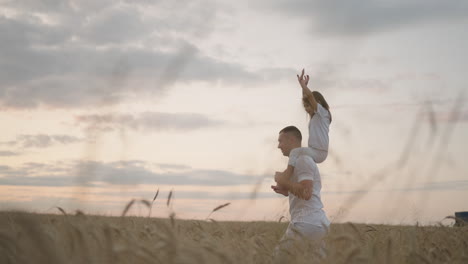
x: 285, y: 143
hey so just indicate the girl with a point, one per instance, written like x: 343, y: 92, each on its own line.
x: 320, y: 118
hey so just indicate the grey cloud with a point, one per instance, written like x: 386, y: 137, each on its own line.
x: 31, y: 169
x: 108, y: 199
x: 108, y: 21
x: 451, y: 185
x: 96, y: 54
x: 8, y: 153
x: 115, y: 25
x: 7, y: 172
x: 76, y: 77
x: 147, y: 121
x: 271, y: 74
x: 370, y: 84
x: 167, y: 166
x: 27, y: 30
x: 64, y: 139
x: 446, y: 185
x: 40, y: 5
x: 38, y: 141
x: 447, y: 117
x: 206, y: 193
x: 361, y: 17
x: 85, y: 173
x: 41, y: 140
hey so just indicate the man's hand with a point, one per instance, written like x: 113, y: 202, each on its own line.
x: 303, y: 80
x: 279, y: 190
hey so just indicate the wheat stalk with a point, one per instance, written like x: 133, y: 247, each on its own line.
x: 127, y: 207
x: 61, y: 210
x: 154, y: 198
x: 219, y: 207
x: 169, y: 198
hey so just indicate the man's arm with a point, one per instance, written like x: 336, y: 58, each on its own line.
x: 305, y: 170
x: 302, y: 189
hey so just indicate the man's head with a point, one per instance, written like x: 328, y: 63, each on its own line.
x: 289, y: 138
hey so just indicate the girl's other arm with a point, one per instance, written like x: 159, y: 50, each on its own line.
x: 285, y: 175
x: 288, y: 172
x: 280, y: 190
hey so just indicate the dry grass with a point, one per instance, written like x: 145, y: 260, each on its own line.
x: 80, y: 238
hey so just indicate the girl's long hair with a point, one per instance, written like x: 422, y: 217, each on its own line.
x: 321, y: 100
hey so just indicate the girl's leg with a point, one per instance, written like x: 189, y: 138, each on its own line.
x: 295, y: 153
x: 318, y: 155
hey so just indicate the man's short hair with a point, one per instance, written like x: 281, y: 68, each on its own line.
x: 293, y: 131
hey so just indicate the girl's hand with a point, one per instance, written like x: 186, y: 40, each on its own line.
x: 279, y: 190
x: 303, y: 80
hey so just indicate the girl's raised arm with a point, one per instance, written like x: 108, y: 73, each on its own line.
x: 306, y: 92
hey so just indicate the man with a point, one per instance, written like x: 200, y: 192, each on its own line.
x: 308, y: 221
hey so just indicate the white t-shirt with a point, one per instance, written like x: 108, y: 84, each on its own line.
x: 319, y: 126
x: 307, y: 211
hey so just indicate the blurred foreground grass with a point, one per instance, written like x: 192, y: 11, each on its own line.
x: 39, y: 238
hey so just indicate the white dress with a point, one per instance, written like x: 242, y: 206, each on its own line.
x: 319, y: 126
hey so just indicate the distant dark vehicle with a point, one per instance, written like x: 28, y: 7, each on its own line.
x: 461, y: 218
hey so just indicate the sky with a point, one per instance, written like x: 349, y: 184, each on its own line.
x: 102, y: 102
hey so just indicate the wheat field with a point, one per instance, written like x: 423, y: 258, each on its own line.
x: 80, y: 238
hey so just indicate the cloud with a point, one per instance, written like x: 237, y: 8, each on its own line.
x: 147, y: 121
x: 167, y: 166
x: 363, y: 17
x: 446, y: 116
x: 86, y: 173
x: 74, y: 54
x: 453, y: 185
x: 115, y: 25
x: 41, y: 140
x: 115, y: 195
x: 8, y: 153
x: 9, y: 172
x: 77, y: 76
